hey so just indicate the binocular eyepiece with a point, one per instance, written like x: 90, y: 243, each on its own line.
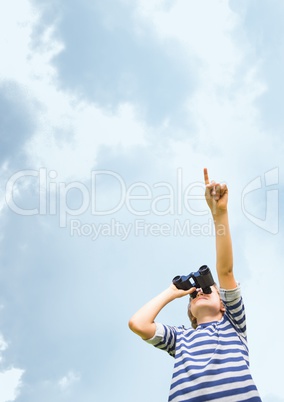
x: 201, y: 279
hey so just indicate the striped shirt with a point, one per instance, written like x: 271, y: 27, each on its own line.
x: 212, y: 361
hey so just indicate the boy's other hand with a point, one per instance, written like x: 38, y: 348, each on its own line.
x: 180, y: 292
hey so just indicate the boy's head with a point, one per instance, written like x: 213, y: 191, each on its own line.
x: 205, y: 306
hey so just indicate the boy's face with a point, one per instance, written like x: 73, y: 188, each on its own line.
x: 209, y: 304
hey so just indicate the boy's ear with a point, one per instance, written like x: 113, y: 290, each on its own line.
x: 222, y: 307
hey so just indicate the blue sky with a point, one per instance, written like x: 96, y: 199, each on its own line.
x: 109, y: 112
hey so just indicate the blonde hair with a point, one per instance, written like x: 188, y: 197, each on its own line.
x: 191, y: 317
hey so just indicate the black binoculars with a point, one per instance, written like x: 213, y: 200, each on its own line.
x: 201, y: 279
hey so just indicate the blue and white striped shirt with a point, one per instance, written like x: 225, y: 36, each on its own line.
x: 212, y: 361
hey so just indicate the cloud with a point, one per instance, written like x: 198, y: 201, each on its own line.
x: 22, y: 87
x: 141, y: 89
x: 10, y: 378
x: 68, y: 380
x: 108, y: 60
x: 10, y: 383
x: 16, y: 125
x: 265, y: 43
x: 92, y: 130
x: 205, y: 37
x: 49, y: 126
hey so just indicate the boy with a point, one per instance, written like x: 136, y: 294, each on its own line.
x: 211, y: 359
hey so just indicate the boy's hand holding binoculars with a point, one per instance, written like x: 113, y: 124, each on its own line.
x: 181, y: 292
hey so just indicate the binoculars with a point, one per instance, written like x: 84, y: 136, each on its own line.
x: 201, y: 279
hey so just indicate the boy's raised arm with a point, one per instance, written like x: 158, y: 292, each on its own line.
x: 216, y: 195
x: 143, y: 321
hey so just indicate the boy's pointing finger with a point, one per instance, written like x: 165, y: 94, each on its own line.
x: 206, y: 177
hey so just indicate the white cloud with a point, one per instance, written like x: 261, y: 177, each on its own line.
x: 20, y: 62
x: 10, y: 379
x: 89, y: 129
x: 10, y: 382
x: 3, y: 344
x: 203, y: 28
x: 15, y: 19
x: 226, y: 125
x: 68, y: 380
x: 68, y: 128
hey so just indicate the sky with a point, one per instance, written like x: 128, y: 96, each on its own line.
x: 109, y: 111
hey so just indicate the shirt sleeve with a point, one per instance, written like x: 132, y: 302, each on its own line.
x: 235, y: 309
x: 164, y: 338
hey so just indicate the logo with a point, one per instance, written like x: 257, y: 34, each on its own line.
x: 260, y: 201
